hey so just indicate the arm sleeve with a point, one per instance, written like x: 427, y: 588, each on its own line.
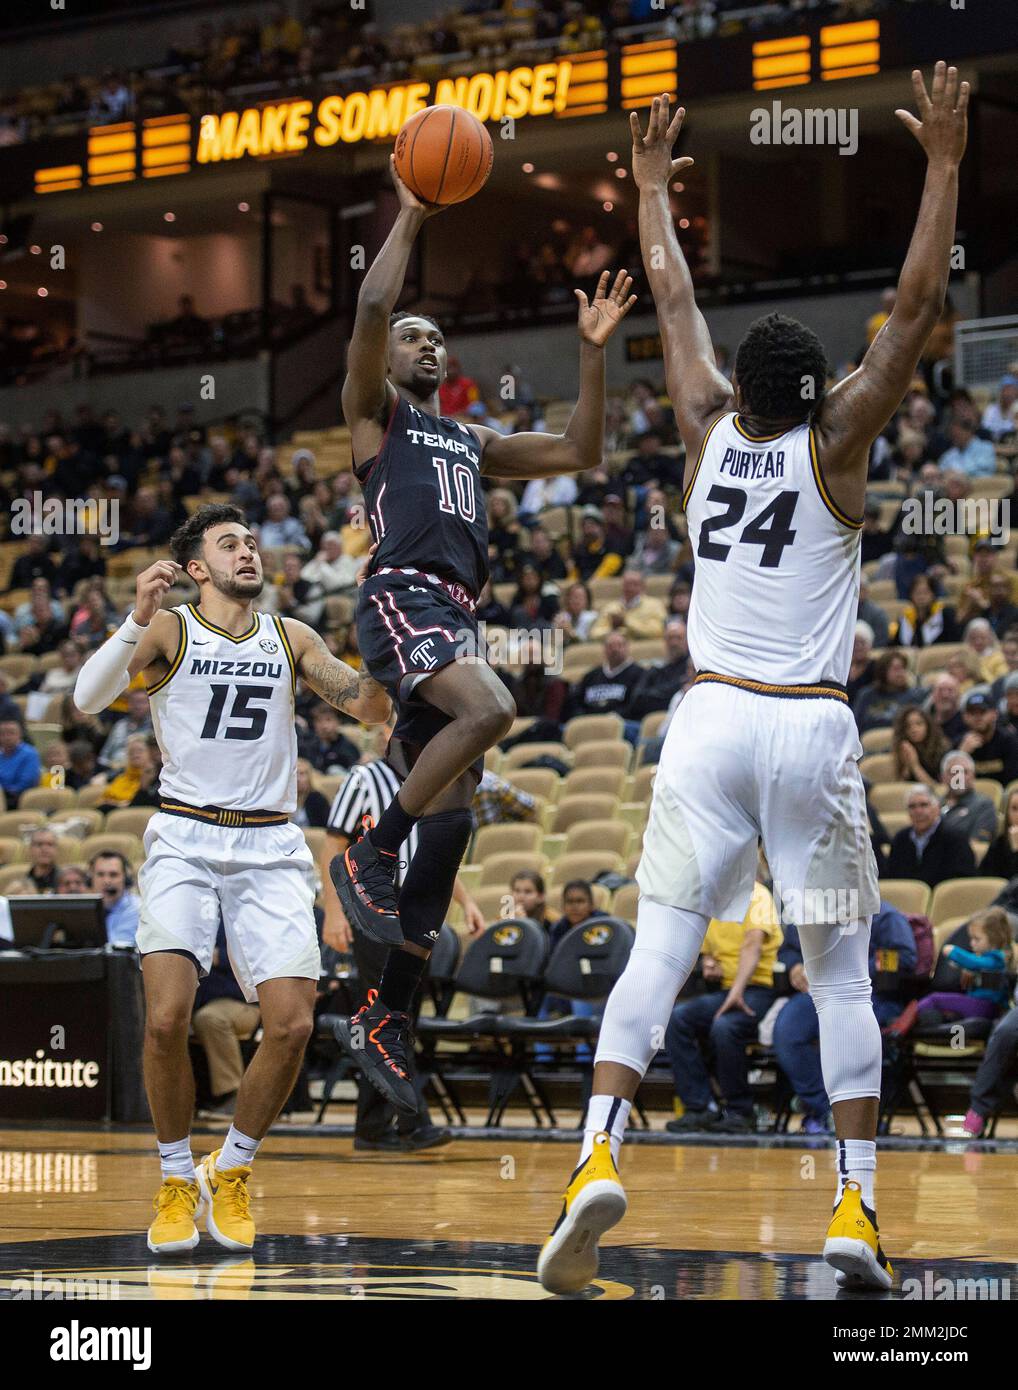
x: 104, y: 675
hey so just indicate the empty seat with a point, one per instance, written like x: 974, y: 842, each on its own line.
x: 962, y: 897
x: 127, y: 845
x: 908, y: 895
x: 47, y: 799
x: 571, y: 809
x: 129, y: 820
x: 586, y: 864
x: 594, y: 781
x: 537, y: 781
x: 499, y: 868
x: 612, y: 835
x: 625, y: 902
x: 590, y: 728
x: 603, y: 754
x: 501, y: 839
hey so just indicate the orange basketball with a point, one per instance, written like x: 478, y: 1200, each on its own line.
x: 443, y: 155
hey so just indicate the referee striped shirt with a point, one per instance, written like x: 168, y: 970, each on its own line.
x: 367, y: 792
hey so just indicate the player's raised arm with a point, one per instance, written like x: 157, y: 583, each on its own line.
x: 695, y: 386
x: 581, y: 445
x: 339, y: 685
x: 858, y: 408
x: 147, y: 639
x: 366, y: 393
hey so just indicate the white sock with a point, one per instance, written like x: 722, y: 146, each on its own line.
x: 176, y: 1159
x: 857, y: 1162
x: 238, y: 1151
x: 605, y: 1114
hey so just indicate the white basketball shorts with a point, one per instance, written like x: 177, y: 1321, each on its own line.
x: 262, y: 880
x: 738, y: 766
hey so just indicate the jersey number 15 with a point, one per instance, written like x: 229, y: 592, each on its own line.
x: 240, y: 709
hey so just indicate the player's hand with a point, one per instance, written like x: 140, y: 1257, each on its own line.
x: 336, y: 930
x: 734, y: 1000
x: 599, y: 320
x: 474, y: 918
x: 362, y: 573
x: 409, y: 202
x: 942, y: 127
x: 652, y: 153
x: 149, y: 588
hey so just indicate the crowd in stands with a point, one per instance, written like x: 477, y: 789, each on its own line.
x: 595, y: 570
x: 300, y: 45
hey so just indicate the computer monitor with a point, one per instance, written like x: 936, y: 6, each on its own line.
x: 67, y: 921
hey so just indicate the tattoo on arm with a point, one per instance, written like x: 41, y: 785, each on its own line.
x: 332, y: 679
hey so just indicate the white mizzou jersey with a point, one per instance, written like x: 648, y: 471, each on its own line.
x: 776, y: 591
x: 223, y: 715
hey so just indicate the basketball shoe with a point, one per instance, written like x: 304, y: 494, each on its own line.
x: 594, y: 1201
x: 365, y: 880
x: 174, y: 1230
x: 853, y: 1244
x: 226, y: 1203
x: 378, y: 1040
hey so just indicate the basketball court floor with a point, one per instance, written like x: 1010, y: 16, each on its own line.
x: 740, y: 1221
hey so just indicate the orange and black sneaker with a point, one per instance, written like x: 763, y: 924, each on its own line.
x: 378, y: 1039
x: 365, y: 879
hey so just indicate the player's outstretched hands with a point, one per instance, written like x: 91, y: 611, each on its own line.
x: 150, y: 587
x: 600, y: 318
x: 942, y: 127
x: 652, y: 153
x: 409, y: 202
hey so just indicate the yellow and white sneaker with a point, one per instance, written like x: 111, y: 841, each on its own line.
x: 853, y: 1244
x: 226, y: 1203
x: 174, y: 1230
x: 594, y: 1201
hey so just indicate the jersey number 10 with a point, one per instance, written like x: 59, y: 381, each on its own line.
x: 464, y: 483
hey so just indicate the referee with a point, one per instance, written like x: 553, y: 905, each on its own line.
x: 367, y: 791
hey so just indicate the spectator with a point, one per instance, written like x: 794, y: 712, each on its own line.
x: 222, y: 1019
x: 531, y: 605
x: 112, y: 103
x: 797, y: 1030
x: 1008, y: 706
x: 312, y: 806
x: 635, y: 613
x: 40, y: 624
x: 965, y: 668
x: 876, y: 542
x: 995, y: 1072
x: 280, y: 528
x: 873, y: 615
x: 110, y: 877
x: 650, y: 464
x: 188, y: 329
x: 591, y: 556
x: 331, y: 570
x: 964, y: 808
x: 679, y: 598
x: 457, y: 391
x: 529, y: 898
x: 1000, y: 417
x: 90, y: 625
x: 577, y: 908
x: 974, y: 601
x: 663, y: 679
x: 497, y: 802
x: 540, y: 493
x: 618, y: 534
x: 929, y: 850
x: 739, y: 957
x: 862, y: 668
x: 1000, y: 611
x: 9, y: 707
x: 326, y: 747
x: 877, y: 704
x: 83, y: 765
x: 655, y: 551
x: 968, y: 454
x: 35, y: 563
x: 42, y: 857
x: 72, y: 879
x: 982, y: 991
x: 137, y: 782
x: 993, y: 748
x: 926, y: 618
x: 876, y: 321
x: 137, y: 720
x: 295, y: 596
x: 20, y: 767
x: 608, y: 688
x: 944, y: 705
x: 544, y: 555
x: 577, y: 615
x: 982, y: 643
x: 918, y: 746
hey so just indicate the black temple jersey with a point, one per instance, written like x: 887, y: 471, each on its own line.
x: 424, y: 498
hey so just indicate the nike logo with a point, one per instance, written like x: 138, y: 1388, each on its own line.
x: 195, y: 643
x: 292, y: 851
x: 128, y: 643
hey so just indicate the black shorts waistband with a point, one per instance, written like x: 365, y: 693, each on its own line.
x: 219, y: 815
x: 819, y: 690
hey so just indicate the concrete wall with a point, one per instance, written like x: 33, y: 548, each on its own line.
x: 239, y: 386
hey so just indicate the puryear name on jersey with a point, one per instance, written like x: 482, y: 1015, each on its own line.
x: 223, y: 716
x: 424, y: 498
x: 777, y: 561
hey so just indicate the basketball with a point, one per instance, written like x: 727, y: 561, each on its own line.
x: 443, y: 155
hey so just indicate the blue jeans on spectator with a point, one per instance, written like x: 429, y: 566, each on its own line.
x: 693, y: 1023
x: 796, y: 1046
x: 552, y: 1006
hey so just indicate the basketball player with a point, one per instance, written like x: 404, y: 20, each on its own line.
x: 417, y: 633
x: 764, y: 744
x: 221, y: 679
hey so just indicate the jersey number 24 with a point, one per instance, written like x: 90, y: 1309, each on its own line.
x: 771, y: 528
